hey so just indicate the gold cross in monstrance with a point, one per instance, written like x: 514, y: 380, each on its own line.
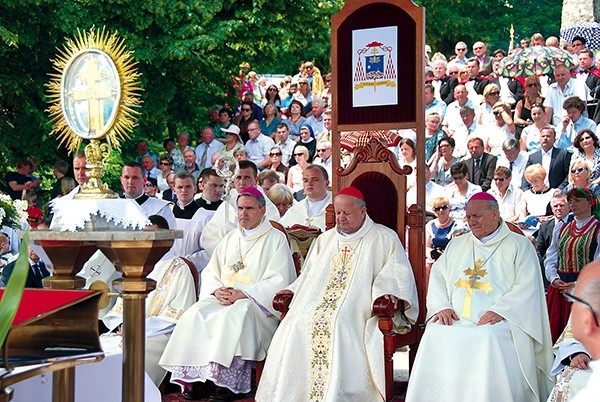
x: 95, y: 90
x: 474, y: 275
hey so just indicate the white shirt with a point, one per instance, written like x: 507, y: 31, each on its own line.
x: 259, y: 148
x: 557, y: 96
x: 452, y: 119
x: 518, y: 168
x: 211, y: 148
x: 546, y: 159
x: 286, y: 149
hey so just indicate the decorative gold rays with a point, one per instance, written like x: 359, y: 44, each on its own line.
x: 94, y: 91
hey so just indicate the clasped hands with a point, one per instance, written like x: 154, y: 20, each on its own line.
x: 445, y: 317
x: 227, y: 296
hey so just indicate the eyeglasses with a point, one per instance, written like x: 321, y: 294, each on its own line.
x: 494, y: 93
x: 572, y: 298
x: 456, y: 178
x: 578, y: 170
x: 440, y: 208
x: 246, y: 110
x: 461, y: 49
x: 321, y: 150
x: 274, y: 154
x: 272, y: 89
x: 165, y: 164
x: 499, y: 178
x: 585, y: 138
x: 298, y: 154
x: 453, y: 73
x: 532, y: 85
x: 478, y: 48
x: 498, y: 113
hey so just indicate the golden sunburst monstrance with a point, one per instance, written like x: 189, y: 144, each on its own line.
x: 94, y: 94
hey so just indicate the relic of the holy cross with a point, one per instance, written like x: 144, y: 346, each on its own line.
x: 474, y: 275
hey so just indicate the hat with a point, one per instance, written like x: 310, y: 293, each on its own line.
x: 254, y: 192
x: 232, y: 129
x: 482, y: 196
x: 352, y: 192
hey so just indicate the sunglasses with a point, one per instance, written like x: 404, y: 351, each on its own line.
x: 532, y: 85
x: 148, y: 185
x: 478, y: 48
x: 165, y: 164
x: 453, y: 73
x: 458, y: 177
x: 578, y: 170
x: 303, y: 83
x: 494, y: 93
x: 464, y: 49
x: 275, y: 154
x: 272, y: 89
x: 298, y: 154
x: 246, y: 110
x: 321, y: 150
x: 440, y: 208
x: 499, y: 178
x: 585, y: 139
x: 498, y: 113
x: 572, y: 298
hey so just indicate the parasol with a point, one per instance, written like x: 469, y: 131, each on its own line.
x: 588, y: 30
x: 355, y: 139
x: 534, y: 60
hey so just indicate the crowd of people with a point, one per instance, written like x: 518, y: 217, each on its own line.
x: 501, y: 154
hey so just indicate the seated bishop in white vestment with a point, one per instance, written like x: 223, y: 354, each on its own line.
x: 175, y: 292
x: 328, y: 347
x: 232, y: 323
x: 488, y: 336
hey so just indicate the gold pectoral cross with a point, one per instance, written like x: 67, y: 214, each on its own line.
x: 474, y: 275
x: 231, y: 279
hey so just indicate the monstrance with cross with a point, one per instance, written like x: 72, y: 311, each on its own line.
x: 94, y: 95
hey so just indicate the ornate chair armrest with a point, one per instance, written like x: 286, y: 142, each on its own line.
x: 383, y: 307
x: 282, y: 302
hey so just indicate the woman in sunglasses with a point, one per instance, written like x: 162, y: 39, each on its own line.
x: 530, y: 136
x: 294, y: 180
x: 579, y: 176
x: 533, y: 95
x: 502, y: 130
x: 276, y: 156
x: 165, y: 164
x: 438, y: 231
x: 587, y: 147
x: 573, y: 245
x: 484, y: 115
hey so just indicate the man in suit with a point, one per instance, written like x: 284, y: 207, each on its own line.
x: 481, y: 165
x: 590, y: 76
x: 37, y: 272
x: 560, y: 210
x: 168, y: 194
x: 555, y: 161
x: 485, y: 61
x: 444, y: 85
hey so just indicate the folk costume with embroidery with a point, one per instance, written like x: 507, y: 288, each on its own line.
x: 217, y: 342
x: 507, y: 361
x: 328, y: 347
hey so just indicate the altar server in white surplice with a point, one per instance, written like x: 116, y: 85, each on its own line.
x: 132, y: 181
x: 191, y: 216
x: 222, y: 223
x: 175, y: 292
x: 488, y: 338
x: 311, y: 210
x: 232, y: 324
x: 329, y: 347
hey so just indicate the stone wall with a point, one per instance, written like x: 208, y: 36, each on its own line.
x: 579, y: 11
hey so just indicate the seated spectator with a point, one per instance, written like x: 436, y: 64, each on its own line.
x: 165, y: 163
x: 6, y: 256
x: 442, y: 161
x: 579, y: 176
x: 296, y: 119
x: 509, y: 196
x: 276, y: 165
x: 270, y: 120
x: 241, y: 155
x: 484, y: 114
x: 532, y: 96
x: 294, y: 180
x: 225, y: 116
x: 438, y: 231
x: 303, y: 95
x: 267, y: 179
x: 271, y: 96
x: 464, y: 131
x: 502, y: 130
x: 481, y: 164
x: 151, y: 187
x: 258, y: 146
x: 20, y: 181
x: 323, y: 157
x: 530, y: 136
x: 514, y: 160
x: 587, y: 147
x: 307, y: 140
x: 537, y: 198
x: 233, y: 142
x: 433, y: 135
x: 460, y: 190
x: 282, y: 197
x: 573, y: 122
x: 60, y: 170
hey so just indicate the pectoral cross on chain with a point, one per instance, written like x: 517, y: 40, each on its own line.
x: 474, y: 275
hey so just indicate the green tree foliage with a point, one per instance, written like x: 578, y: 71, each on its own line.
x: 450, y: 21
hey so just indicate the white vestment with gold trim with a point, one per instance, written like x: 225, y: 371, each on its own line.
x: 175, y: 292
x: 507, y: 361
x: 209, y: 332
x: 328, y: 347
x: 298, y: 215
